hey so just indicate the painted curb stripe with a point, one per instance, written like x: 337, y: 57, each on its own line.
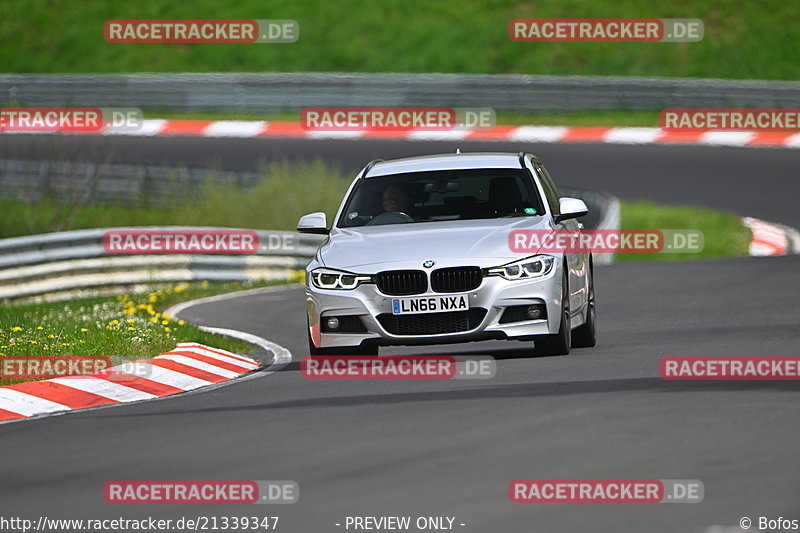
x: 189, y: 366
x: 768, y: 239
x: 185, y: 127
x: 199, y: 365
x: 103, y: 388
x: 211, y: 361
x: 8, y: 415
x: 585, y: 134
x: 175, y: 379
x: 230, y: 355
x: 68, y: 396
x: 140, y: 383
x: 545, y: 134
x: 187, y: 370
x: 245, y: 365
x: 27, y: 405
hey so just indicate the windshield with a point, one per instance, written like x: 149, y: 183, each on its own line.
x: 442, y: 195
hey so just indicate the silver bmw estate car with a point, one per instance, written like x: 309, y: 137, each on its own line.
x: 419, y: 254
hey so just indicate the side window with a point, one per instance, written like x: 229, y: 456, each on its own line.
x: 550, y: 190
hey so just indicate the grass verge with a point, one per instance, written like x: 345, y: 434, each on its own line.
x: 723, y: 233
x: 284, y: 193
x: 742, y: 39
x: 126, y: 327
x: 616, y: 118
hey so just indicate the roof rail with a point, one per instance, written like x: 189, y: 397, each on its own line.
x: 369, y: 167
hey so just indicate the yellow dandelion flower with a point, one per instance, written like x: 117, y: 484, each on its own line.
x: 131, y: 328
x: 164, y: 322
x: 181, y: 322
x: 167, y: 330
x: 40, y: 328
x: 16, y: 328
x: 51, y: 336
x: 84, y: 330
x: 115, y: 321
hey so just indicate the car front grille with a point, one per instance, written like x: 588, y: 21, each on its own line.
x: 402, y: 282
x: 457, y: 279
x: 432, y: 323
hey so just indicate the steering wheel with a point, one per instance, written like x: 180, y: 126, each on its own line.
x: 390, y: 217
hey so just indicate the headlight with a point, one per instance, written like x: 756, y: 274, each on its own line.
x: 325, y: 278
x: 530, y: 267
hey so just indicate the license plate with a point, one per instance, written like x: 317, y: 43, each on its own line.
x: 429, y: 304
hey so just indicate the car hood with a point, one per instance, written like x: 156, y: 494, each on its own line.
x: 478, y: 242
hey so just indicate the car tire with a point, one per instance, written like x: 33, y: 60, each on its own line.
x: 585, y: 335
x: 559, y: 343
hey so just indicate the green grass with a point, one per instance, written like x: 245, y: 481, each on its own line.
x: 723, y: 233
x: 742, y: 39
x: 286, y: 192
x: 126, y: 328
x: 584, y: 118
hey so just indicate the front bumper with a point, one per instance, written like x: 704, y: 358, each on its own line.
x: 494, y: 295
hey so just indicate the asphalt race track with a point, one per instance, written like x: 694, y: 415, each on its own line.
x: 758, y: 182
x: 450, y: 448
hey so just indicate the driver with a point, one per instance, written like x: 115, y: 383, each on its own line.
x: 395, y: 198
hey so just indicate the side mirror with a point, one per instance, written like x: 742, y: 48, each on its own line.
x: 571, y: 208
x: 313, y: 223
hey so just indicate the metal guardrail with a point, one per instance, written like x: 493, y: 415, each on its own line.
x: 273, y: 92
x: 63, y: 263
x: 77, y: 181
